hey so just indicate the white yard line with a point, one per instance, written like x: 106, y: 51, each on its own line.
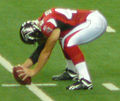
x: 110, y: 29
x: 38, y: 92
x: 33, y: 88
x: 111, y: 86
x: 36, y: 84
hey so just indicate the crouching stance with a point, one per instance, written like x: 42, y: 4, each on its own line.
x: 71, y: 28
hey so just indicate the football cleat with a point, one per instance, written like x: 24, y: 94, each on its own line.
x: 80, y: 85
x: 66, y: 75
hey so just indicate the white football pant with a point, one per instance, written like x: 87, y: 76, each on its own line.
x: 94, y: 26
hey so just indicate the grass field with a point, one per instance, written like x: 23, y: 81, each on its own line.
x: 102, y: 55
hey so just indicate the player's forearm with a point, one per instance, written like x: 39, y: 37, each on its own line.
x: 28, y: 63
x: 42, y: 61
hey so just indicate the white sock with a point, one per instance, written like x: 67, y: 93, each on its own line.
x: 70, y: 66
x: 83, y: 71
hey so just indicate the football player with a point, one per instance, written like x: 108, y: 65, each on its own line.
x: 71, y: 28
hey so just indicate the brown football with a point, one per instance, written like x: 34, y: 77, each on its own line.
x: 27, y: 81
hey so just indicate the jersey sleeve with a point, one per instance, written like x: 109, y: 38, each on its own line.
x: 49, y: 26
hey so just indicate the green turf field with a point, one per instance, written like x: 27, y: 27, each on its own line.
x: 102, y: 55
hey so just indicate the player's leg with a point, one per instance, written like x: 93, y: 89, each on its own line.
x: 79, y: 63
x: 70, y: 72
x: 86, y: 32
x: 69, y: 64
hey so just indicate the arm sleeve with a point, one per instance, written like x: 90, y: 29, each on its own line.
x: 35, y: 55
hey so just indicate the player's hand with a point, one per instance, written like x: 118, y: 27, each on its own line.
x: 26, y: 72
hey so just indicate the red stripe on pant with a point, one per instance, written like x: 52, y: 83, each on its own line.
x: 75, y: 54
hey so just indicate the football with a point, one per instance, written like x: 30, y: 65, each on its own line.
x: 27, y: 81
